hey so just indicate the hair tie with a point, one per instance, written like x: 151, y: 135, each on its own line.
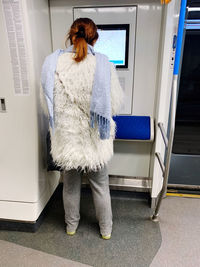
x: 81, y: 33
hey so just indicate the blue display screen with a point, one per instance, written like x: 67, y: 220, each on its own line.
x: 113, y: 43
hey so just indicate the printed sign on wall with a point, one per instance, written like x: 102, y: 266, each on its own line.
x: 16, y: 38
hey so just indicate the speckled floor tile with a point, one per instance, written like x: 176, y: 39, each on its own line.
x: 135, y: 238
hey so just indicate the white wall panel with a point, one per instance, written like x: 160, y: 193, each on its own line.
x: 18, y: 138
x: 25, y: 184
x: 146, y: 58
x: 165, y: 75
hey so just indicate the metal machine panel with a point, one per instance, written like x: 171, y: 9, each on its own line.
x: 117, y: 15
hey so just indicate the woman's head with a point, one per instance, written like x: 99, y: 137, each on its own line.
x: 83, y: 31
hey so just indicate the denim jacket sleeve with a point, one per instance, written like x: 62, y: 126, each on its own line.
x: 117, y: 93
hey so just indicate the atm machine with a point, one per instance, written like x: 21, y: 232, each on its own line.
x: 31, y: 30
x: 141, y: 24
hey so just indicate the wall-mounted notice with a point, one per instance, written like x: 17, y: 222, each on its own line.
x: 16, y: 38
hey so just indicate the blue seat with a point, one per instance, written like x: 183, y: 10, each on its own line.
x: 134, y: 128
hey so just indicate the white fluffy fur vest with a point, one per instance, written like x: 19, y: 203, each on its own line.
x: 75, y: 144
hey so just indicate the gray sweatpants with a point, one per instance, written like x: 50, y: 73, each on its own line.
x: 99, y: 183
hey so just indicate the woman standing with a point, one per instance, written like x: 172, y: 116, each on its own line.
x: 86, y: 94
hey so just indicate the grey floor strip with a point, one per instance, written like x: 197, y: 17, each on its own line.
x: 135, y: 238
x: 180, y: 229
x: 19, y: 256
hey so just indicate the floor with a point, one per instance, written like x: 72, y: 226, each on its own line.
x: 136, y: 241
x: 180, y: 229
x: 13, y: 255
x: 135, y: 238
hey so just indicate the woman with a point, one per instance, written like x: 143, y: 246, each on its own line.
x: 82, y: 141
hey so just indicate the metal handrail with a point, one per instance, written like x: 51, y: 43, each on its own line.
x: 162, y: 165
x: 169, y: 149
x: 164, y: 135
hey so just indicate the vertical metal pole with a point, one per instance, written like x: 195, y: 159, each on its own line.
x: 173, y: 106
x: 169, y: 150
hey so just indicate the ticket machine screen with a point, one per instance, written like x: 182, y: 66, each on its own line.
x: 113, y: 41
